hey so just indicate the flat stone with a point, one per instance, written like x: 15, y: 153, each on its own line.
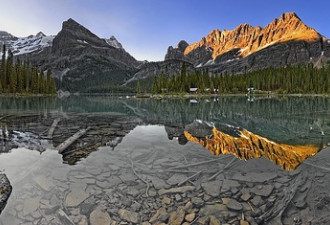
x: 44, y: 183
x: 146, y: 223
x: 136, y: 206
x: 60, y: 174
x: 132, y: 191
x: 225, y: 201
x: 166, y: 201
x: 234, y: 205
x: 98, y: 217
x: 104, y: 184
x: 177, y: 217
x: 203, y: 220
x: 246, y: 196
x: 30, y: 205
x: 188, y: 206
x: 214, y: 221
x: 212, y: 188
x: 160, y: 215
x: 190, y: 217
x: 215, y: 209
x: 257, y: 201
x: 64, y: 218
x: 182, y: 189
x: 197, y: 201
x: 254, y: 177
x: 284, y: 179
x: 83, y: 221
x: 243, y: 222
x: 158, y: 183
x: 272, y: 198
x: 125, y: 177
x: 129, y: 216
x: 176, y: 179
x: 262, y: 190
x: 178, y: 197
x: 75, y: 197
x: 94, y: 171
x: 228, y: 185
x: 299, y: 200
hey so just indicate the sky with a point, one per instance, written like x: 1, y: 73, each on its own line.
x: 147, y: 27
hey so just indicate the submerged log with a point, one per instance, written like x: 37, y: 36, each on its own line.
x: 52, y: 128
x: 5, y: 191
x: 68, y: 142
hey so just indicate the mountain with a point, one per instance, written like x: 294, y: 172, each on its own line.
x: 6, y: 38
x: 286, y: 40
x: 152, y: 69
x: 81, y: 60
x: 112, y: 41
x: 84, y: 62
x: 25, y: 45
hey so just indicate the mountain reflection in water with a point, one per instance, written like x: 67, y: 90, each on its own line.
x: 302, y: 123
x: 249, y: 145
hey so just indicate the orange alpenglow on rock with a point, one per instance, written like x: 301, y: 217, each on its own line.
x: 250, y: 145
x: 248, y: 39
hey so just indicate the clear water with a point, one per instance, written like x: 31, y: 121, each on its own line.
x: 44, y: 183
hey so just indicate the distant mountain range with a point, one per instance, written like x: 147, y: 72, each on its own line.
x: 84, y: 62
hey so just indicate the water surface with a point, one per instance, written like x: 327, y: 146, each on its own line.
x: 276, y: 172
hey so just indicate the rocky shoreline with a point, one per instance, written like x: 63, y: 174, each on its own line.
x: 109, y: 188
x: 152, y: 182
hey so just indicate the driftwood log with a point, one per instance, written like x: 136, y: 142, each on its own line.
x: 68, y: 142
x: 52, y: 128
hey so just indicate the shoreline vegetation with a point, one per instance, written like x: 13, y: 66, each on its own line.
x: 298, y: 79
x: 20, y: 79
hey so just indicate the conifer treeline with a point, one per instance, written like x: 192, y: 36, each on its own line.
x: 289, y: 79
x: 21, y: 78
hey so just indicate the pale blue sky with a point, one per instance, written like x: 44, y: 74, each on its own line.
x: 147, y: 27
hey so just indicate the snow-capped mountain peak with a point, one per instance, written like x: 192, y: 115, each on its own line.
x: 112, y: 41
x: 32, y: 43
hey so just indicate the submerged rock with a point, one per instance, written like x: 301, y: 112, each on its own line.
x: 99, y: 217
x: 129, y: 216
x: 5, y: 191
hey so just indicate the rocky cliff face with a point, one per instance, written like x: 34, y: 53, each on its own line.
x: 170, y: 67
x: 81, y: 60
x: 286, y: 40
x: 74, y: 41
x: 6, y: 38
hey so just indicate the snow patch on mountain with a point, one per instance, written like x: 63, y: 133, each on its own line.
x: 31, y: 43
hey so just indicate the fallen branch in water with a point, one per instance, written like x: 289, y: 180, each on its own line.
x: 316, y: 166
x: 196, y: 164
x: 190, y: 171
x: 68, y: 142
x: 144, y: 181
x: 191, y: 177
x: 52, y: 128
x: 4, y: 117
x: 217, y: 173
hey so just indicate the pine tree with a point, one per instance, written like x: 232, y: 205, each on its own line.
x: 138, y: 87
x: 3, y: 68
x: 13, y: 80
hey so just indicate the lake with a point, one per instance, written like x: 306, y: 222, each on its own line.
x: 229, y: 160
